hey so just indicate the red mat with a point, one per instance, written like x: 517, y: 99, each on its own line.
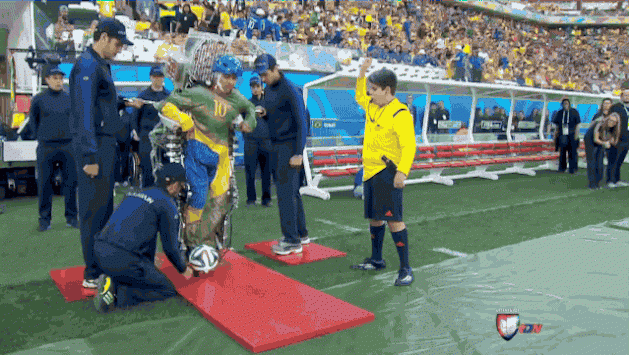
x: 70, y: 283
x: 310, y: 253
x: 245, y: 300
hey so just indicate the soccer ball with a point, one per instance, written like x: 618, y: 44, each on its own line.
x: 204, y: 258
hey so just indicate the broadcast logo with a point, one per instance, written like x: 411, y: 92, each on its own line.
x: 510, y: 324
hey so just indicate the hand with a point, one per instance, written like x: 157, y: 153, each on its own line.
x: 261, y: 111
x: 188, y: 273
x: 91, y: 170
x: 134, y: 135
x: 607, y: 145
x: 135, y: 103
x: 295, y: 161
x: 365, y: 66
x: 399, y: 180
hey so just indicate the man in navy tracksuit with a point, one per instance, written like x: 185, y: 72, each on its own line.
x: 125, y: 248
x: 287, y: 120
x: 146, y: 119
x: 94, y: 123
x: 50, y: 123
x: 257, y: 151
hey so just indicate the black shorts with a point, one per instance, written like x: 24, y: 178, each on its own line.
x: 382, y: 201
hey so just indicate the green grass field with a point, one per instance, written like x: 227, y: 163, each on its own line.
x: 470, y: 217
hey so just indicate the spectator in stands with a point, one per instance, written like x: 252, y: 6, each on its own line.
x: 443, y: 115
x: 413, y: 110
x: 477, y: 65
x: 432, y: 125
x: 225, y: 24
x: 567, y: 121
x: 64, y: 40
x: 479, y: 116
x: 257, y: 151
x: 88, y: 35
x: 186, y: 20
x: 167, y: 15
x: 211, y: 19
x: 617, y: 152
x: 600, y: 136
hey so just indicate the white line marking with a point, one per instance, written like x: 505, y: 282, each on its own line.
x: 344, y: 227
x: 490, y: 209
x: 342, y: 285
x: 450, y: 252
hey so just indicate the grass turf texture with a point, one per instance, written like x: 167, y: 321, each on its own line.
x: 472, y: 216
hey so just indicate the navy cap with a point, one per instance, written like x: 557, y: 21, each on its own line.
x: 255, y: 80
x: 114, y: 28
x: 264, y: 62
x: 156, y: 71
x: 52, y: 70
x: 172, y: 172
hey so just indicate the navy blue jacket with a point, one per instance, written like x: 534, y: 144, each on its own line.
x: 50, y: 116
x: 622, y: 110
x: 94, y: 104
x: 135, y: 223
x: 262, y: 129
x: 286, y: 113
x: 147, y: 117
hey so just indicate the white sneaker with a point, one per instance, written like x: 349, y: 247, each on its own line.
x: 305, y: 240
x: 611, y: 185
x: 90, y: 283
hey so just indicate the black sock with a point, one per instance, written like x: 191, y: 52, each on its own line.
x: 377, y: 234
x: 400, y: 239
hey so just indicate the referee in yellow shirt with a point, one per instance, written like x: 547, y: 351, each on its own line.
x: 389, y: 133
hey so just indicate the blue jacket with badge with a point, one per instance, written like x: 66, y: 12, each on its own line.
x: 147, y: 117
x: 50, y: 116
x: 94, y: 104
x: 134, y: 225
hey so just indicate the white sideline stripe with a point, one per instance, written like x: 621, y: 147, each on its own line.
x: 182, y: 339
x: 342, y: 226
x: 451, y: 252
x: 490, y: 209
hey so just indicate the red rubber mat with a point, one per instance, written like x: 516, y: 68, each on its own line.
x: 310, y: 253
x: 262, y: 309
x: 70, y: 283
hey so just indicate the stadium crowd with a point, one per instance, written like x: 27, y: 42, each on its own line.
x: 469, y: 44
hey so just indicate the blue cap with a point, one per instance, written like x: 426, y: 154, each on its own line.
x: 255, y: 80
x: 114, y: 28
x: 156, y: 71
x: 52, y: 70
x: 264, y: 62
x: 172, y: 172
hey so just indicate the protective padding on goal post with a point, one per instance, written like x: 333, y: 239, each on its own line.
x: 310, y: 253
x: 241, y: 298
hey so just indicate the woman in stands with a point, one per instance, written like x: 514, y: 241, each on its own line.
x: 600, y: 136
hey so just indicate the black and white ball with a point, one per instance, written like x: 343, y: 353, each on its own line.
x: 204, y: 258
